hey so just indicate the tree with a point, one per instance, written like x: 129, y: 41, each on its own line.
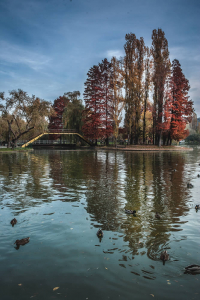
x: 147, y: 69
x: 97, y: 116
x: 55, y: 121
x: 92, y: 125
x: 72, y: 116
x: 180, y: 108
x: 117, y: 84
x: 134, y: 67
x: 22, y: 113
x: 106, y: 98
x: 161, y: 70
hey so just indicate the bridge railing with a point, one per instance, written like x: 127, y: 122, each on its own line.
x: 61, y: 130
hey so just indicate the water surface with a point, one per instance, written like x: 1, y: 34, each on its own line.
x: 61, y: 198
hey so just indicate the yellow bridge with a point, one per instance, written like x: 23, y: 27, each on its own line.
x: 58, y: 132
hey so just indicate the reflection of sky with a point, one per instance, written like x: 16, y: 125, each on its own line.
x: 62, y: 225
x: 47, y: 47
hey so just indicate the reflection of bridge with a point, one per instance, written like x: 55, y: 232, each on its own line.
x: 58, y: 132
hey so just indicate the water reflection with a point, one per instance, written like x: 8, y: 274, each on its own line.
x: 104, y: 184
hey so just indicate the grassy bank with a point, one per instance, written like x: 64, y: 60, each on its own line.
x: 147, y: 148
x: 19, y: 149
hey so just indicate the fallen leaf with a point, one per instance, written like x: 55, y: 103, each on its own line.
x: 152, y: 295
x: 56, y: 288
x: 106, y: 268
x: 20, y: 284
x: 168, y: 283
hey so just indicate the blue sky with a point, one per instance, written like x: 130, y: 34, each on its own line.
x: 48, y: 46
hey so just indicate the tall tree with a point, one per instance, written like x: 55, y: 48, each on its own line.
x: 134, y: 67
x: 179, y: 105
x: 22, y: 113
x: 161, y: 66
x: 106, y: 92
x: 98, y: 102
x: 92, y: 125
x: 147, y: 68
x: 117, y: 83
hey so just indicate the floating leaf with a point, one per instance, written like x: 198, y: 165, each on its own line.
x: 106, y: 268
x: 20, y: 284
x: 152, y: 295
x: 56, y: 288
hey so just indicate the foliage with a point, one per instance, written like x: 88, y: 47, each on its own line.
x: 97, y: 116
x: 117, y: 84
x: 55, y: 121
x: 72, y: 116
x: 179, y: 108
x: 193, y: 139
x: 134, y: 67
x: 22, y: 113
x: 92, y: 113
x: 161, y: 71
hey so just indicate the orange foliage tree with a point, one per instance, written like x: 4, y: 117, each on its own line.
x: 178, y: 106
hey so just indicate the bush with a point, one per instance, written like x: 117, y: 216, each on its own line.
x: 193, y: 139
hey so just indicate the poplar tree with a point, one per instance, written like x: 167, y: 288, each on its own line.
x: 117, y: 84
x: 106, y: 98
x: 161, y: 70
x: 147, y: 68
x: 134, y: 67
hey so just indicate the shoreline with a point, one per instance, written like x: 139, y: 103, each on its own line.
x: 139, y: 148
x: 146, y: 148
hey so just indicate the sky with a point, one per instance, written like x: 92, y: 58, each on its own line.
x: 48, y: 46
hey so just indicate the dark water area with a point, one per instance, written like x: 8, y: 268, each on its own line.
x: 61, y: 198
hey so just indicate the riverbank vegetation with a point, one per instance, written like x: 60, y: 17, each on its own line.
x: 143, y: 89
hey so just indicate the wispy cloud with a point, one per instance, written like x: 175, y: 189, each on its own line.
x: 14, y: 54
x: 116, y: 53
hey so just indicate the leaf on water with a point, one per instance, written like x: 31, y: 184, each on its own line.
x: 168, y: 283
x: 152, y: 295
x: 71, y: 228
x: 56, y: 288
x: 20, y: 284
x: 106, y: 268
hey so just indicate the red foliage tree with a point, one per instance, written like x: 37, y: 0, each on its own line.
x: 55, y: 121
x: 97, y: 116
x: 179, y: 108
x: 92, y: 114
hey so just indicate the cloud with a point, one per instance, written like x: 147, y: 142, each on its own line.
x: 116, y: 53
x: 14, y: 54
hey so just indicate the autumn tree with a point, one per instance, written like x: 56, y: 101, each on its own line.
x: 97, y: 116
x: 55, y: 120
x: 161, y: 70
x: 92, y: 125
x: 22, y: 113
x: 134, y: 67
x: 147, y: 83
x: 106, y: 99
x: 117, y: 83
x: 179, y: 106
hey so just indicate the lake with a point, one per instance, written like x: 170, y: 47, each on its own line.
x: 61, y: 198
